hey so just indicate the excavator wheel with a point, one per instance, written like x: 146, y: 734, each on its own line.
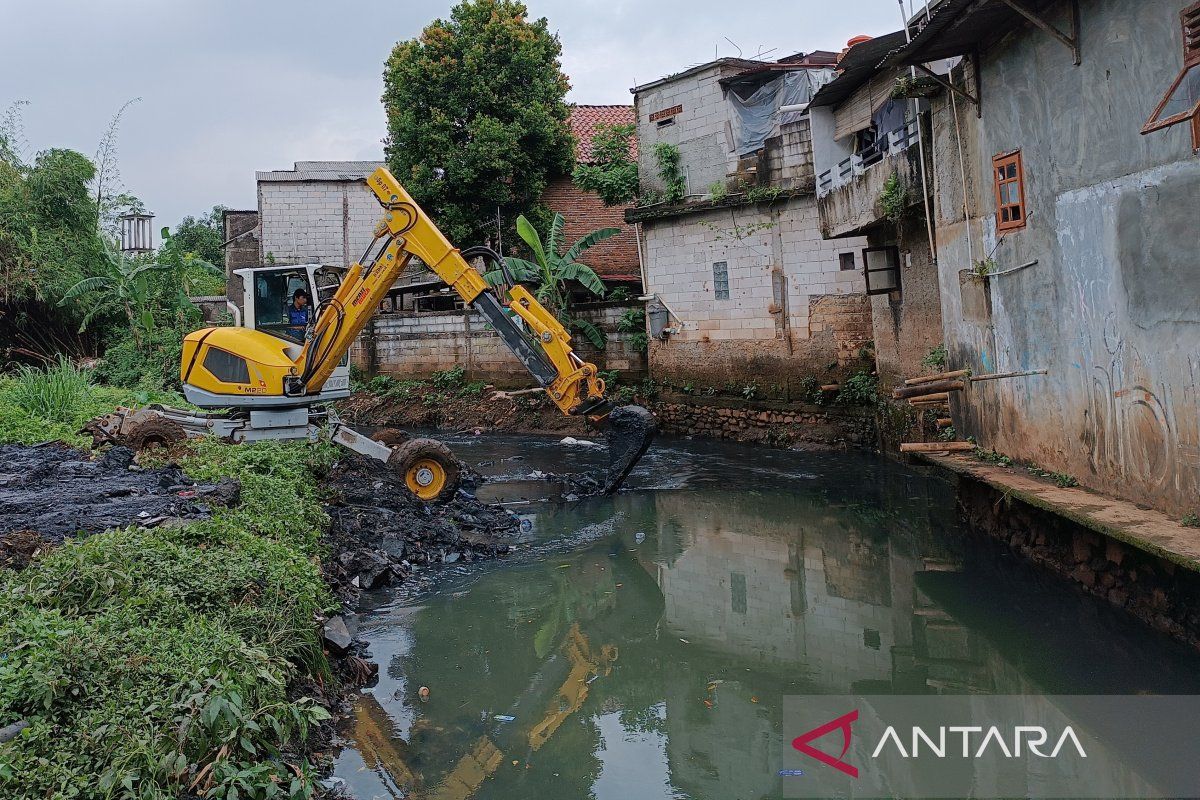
x: 154, y: 432
x: 390, y: 437
x: 428, y: 468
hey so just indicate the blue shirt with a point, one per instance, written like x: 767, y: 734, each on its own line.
x: 297, y: 316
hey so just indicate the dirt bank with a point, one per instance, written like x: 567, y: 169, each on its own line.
x: 773, y: 423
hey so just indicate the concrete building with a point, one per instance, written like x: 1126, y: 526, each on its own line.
x: 755, y: 293
x: 1065, y: 190
x: 867, y: 155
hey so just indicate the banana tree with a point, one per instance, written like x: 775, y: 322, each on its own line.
x: 551, y: 272
x: 124, y: 285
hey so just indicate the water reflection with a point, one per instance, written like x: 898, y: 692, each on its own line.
x: 643, y: 648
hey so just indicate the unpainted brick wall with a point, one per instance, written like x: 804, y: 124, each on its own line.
x: 583, y: 212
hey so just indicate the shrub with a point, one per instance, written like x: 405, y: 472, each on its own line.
x: 449, y: 378
x: 859, y: 389
x: 935, y: 358
x: 152, y: 366
x: 155, y: 663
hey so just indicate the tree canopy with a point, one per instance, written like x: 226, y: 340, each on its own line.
x: 203, y: 236
x: 476, y: 116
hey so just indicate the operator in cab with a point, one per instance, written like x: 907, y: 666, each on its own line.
x: 298, y: 314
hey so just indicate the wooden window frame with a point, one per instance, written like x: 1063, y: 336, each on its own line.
x: 895, y: 252
x: 998, y: 162
x: 1189, y: 21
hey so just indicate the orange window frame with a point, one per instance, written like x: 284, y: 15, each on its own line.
x: 1189, y: 20
x: 1008, y: 178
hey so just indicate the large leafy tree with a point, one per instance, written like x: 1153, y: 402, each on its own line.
x: 476, y: 116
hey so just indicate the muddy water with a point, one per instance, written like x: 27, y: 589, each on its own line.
x: 640, y: 646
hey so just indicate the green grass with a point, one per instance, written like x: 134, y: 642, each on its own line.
x: 40, y: 405
x: 149, y: 660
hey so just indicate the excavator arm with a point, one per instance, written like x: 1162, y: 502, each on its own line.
x: 542, y: 344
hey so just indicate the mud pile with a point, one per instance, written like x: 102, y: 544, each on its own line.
x: 56, y: 491
x: 379, y: 533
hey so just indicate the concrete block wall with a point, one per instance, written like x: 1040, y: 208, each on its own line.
x: 700, y: 130
x: 791, y: 309
x: 325, y: 222
x: 415, y: 345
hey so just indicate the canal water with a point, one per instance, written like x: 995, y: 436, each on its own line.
x: 639, y: 647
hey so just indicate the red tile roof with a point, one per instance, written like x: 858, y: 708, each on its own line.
x: 585, y: 120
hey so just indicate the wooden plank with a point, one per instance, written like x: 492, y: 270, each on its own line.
x: 936, y: 447
x: 831, y: 387
x: 927, y: 388
x: 941, y: 376
x: 945, y: 422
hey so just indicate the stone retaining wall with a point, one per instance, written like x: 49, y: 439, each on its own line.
x: 1163, y: 594
x: 777, y: 424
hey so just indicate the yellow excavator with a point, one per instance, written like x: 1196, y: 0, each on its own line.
x: 263, y: 380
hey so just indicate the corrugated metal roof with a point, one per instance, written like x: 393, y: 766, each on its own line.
x: 586, y: 120
x: 744, y: 63
x: 956, y: 27
x: 857, y: 67
x: 321, y: 171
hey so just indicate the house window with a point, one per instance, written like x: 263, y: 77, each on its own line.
x: 1182, y: 99
x: 663, y: 123
x: 721, y: 280
x: 1010, y: 191
x: 881, y: 267
x: 846, y: 261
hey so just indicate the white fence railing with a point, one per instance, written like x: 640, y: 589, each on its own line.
x: 847, y: 169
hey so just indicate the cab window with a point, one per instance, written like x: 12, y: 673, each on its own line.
x: 272, y: 295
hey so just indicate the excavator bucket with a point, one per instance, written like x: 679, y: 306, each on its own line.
x: 630, y: 431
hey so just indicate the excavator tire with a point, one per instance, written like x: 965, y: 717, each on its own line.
x: 154, y: 432
x: 390, y: 437
x: 428, y: 468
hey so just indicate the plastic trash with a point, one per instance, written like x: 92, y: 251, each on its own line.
x: 639, y: 537
x: 503, y: 718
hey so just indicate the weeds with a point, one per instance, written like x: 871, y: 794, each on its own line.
x: 155, y: 663
x: 55, y: 393
x: 449, y: 378
x: 1061, y: 479
x: 860, y: 388
x: 1190, y: 520
x: 992, y: 457
x: 936, y: 358
x: 948, y: 434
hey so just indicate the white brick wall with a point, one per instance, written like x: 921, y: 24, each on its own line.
x: 680, y: 252
x: 302, y: 221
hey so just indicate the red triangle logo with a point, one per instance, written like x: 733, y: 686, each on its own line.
x: 842, y: 723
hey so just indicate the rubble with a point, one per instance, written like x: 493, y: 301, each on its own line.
x: 379, y: 534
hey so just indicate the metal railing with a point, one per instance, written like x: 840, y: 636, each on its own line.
x: 894, y: 141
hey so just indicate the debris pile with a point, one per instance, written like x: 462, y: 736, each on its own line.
x: 379, y: 533
x: 51, y: 492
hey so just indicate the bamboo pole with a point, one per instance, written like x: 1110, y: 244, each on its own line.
x: 831, y: 387
x: 936, y: 447
x: 930, y: 398
x: 945, y: 422
x: 997, y: 375
x: 941, y: 376
x: 927, y: 388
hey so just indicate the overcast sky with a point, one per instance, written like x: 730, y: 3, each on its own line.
x: 228, y: 87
